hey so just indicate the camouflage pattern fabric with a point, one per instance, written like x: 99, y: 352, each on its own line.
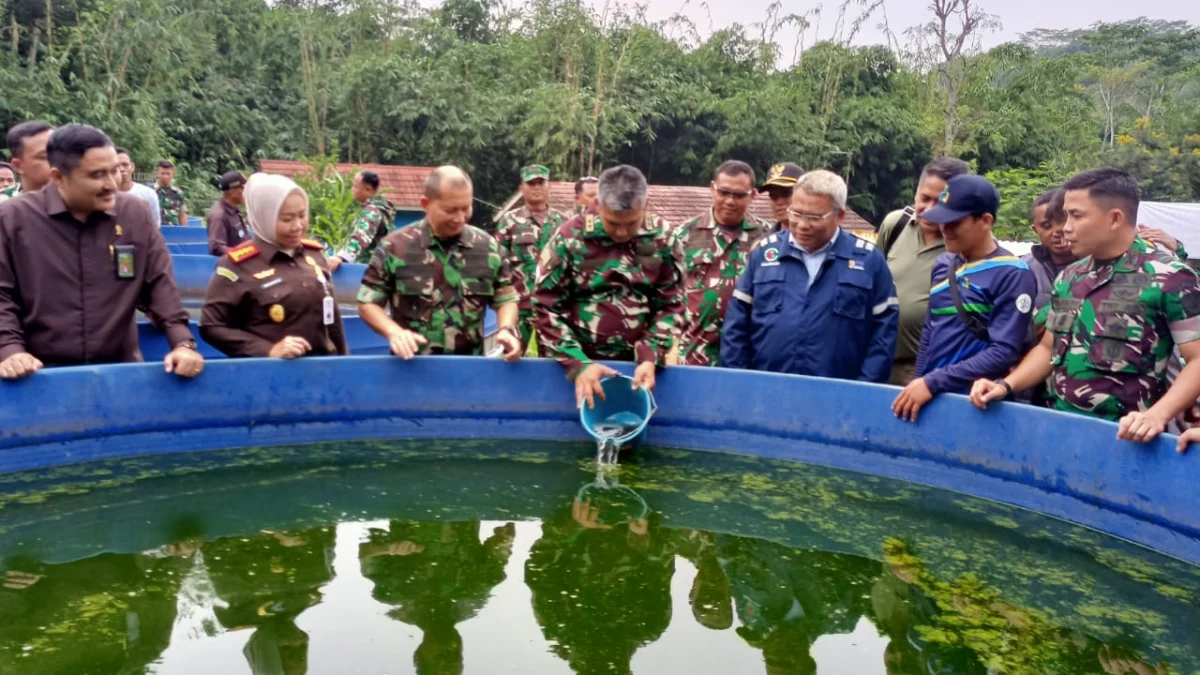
x: 713, y: 259
x: 524, y: 238
x: 599, y: 299
x: 439, y: 289
x: 1115, y: 326
x: 171, y: 203
x: 374, y: 222
x: 10, y: 192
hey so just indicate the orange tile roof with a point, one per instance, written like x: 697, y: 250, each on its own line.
x: 402, y: 185
x: 678, y: 203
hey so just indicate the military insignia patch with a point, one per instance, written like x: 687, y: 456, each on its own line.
x: 775, y: 172
x: 265, y: 273
x: 856, y: 265
x: 243, y: 252
x: 276, y: 313
x: 118, y: 230
x: 1024, y: 303
x: 771, y: 255
x: 227, y: 273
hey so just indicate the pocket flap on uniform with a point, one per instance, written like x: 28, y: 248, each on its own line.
x: 768, y: 274
x: 855, y: 277
x: 525, y: 239
x: 414, y: 285
x: 478, y: 287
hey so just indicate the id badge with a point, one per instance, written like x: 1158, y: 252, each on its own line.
x: 327, y: 310
x: 123, y: 256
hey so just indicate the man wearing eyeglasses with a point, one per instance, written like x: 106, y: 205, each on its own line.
x: 716, y: 246
x: 524, y: 232
x: 814, y: 300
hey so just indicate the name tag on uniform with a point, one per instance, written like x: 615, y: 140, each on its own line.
x: 327, y: 308
x: 123, y: 256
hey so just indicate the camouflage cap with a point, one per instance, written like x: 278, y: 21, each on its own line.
x: 784, y: 174
x: 533, y: 172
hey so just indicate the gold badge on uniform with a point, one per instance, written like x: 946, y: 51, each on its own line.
x: 270, y: 272
x: 276, y: 313
x: 119, y: 231
x: 308, y: 259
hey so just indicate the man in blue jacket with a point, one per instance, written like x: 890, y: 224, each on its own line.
x: 980, y: 303
x: 814, y: 299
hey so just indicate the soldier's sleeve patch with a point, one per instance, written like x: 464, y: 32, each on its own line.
x: 227, y: 273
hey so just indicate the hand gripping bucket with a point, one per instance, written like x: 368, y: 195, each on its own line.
x: 623, y: 408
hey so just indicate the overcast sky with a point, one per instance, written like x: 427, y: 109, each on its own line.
x: 1017, y: 16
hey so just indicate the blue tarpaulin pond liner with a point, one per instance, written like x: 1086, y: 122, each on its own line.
x: 1063, y: 465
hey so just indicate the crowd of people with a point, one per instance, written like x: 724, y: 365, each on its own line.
x: 1102, y: 318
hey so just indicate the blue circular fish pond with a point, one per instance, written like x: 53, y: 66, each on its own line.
x: 445, y: 515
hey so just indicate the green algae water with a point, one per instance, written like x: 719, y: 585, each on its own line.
x: 428, y: 557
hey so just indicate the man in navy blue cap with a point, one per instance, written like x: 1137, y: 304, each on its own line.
x: 980, y: 302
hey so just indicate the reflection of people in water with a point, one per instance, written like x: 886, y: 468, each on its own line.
x: 601, y: 582
x: 436, y: 575
x: 710, y: 594
x: 786, y: 598
x: 267, y: 580
x: 106, y: 614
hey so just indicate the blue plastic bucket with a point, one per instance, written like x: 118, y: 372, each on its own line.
x: 623, y: 406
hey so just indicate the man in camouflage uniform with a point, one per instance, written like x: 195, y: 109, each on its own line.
x: 376, y: 219
x: 715, y: 248
x: 438, y: 276
x: 170, y: 199
x: 1114, y: 318
x: 610, y: 286
x: 524, y: 233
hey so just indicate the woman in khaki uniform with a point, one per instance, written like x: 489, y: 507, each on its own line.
x: 273, y: 295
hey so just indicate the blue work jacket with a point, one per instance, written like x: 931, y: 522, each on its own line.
x: 843, y: 325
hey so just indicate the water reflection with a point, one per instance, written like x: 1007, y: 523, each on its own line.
x: 601, y: 582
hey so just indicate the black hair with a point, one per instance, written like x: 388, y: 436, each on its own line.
x: 68, y: 145
x: 1053, y: 201
x: 6, y: 165
x: 734, y: 167
x: 586, y: 180
x: 1114, y: 186
x: 166, y: 164
x: 122, y: 151
x: 369, y: 178
x: 945, y: 168
x: 24, y: 130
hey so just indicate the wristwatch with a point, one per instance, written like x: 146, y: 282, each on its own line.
x: 1008, y: 392
x: 187, y: 344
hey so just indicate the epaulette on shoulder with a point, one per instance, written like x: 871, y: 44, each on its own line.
x: 313, y: 244
x: 864, y: 245
x: 767, y: 241
x: 244, y: 252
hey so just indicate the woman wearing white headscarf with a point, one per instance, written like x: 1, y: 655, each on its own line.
x: 273, y: 295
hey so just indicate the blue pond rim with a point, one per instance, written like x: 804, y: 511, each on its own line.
x: 1062, y: 465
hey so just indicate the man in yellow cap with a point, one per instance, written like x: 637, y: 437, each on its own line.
x: 524, y: 232
x: 781, y: 181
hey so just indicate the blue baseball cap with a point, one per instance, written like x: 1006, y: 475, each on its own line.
x: 965, y: 195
